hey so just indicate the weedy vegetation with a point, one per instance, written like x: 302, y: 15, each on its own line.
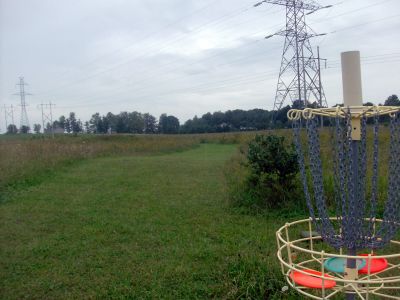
x: 139, y: 217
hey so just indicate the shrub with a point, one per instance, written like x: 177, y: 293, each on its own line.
x: 265, y: 176
x: 273, y: 169
x: 269, y: 155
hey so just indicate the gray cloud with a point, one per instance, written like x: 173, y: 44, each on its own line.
x: 182, y: 57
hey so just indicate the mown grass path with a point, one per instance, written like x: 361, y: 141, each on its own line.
x: 143, y: 227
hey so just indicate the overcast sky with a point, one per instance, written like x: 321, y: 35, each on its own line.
x: 180, y: 57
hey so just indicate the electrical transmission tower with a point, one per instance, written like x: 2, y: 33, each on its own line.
x: 300, y: 74
x: 47, y: 116
x: 22, y: 94
x: 9, y: 114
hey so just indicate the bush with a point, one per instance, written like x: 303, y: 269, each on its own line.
x: 273, y: 169
x: 265, y: 176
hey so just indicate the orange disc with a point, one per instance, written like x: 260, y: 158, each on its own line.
x: 377, y: 265
x: 311, y: 281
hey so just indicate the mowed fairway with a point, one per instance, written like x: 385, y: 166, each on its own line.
x: 137, y: 227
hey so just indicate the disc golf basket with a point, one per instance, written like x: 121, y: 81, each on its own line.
x: 356, y: 253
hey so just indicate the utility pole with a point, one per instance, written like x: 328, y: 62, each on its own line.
x: 47, y: 115
x: 299, y: 75
x: 22, y: 94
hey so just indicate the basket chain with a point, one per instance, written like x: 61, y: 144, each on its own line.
x: 356, y: 215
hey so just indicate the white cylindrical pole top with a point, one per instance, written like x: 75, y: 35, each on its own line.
x: 351, y: 77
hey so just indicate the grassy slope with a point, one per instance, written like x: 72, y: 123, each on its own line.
x: 137, y: 227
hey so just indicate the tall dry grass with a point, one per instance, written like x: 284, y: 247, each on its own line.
x: 237, y: 171
x: 24, y: 158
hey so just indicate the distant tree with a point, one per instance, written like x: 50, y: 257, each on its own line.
x: 87, y: 127
x: 48, y: 128
x: 150, y: 123
x: 281, y: 119
x: 12, y: 129
x: 67, y: 126
x: 219, y: 121
x: 60, y: 123
x: 24, y: 129
x: 135, y: 122
x: 231, y: 120
x: 72, y: 124
x: 98, y: 124
x: 109, y: 121
x: 392, y: 100
x: 368, y: 104
x: 36, y: 128
x: 298, y: 104
x: 314, y: 104
x: 168, y: 124
x: 122, y: 122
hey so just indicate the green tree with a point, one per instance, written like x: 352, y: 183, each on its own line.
x: 273, y: 168
x: 122, y: 122
x: 48, y: 128
x: 36, y: 128
x: 98, y: 124
x: 135, y: 122
x: 12, y: 129
x: 281, y: 119
x: 392, y: 100
x: 168, y: 124
x: 73, y: 125
x: 60, y: 123
x: 24, y: 129
x: 150, y: 123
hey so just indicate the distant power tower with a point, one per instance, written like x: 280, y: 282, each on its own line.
x: 47, y: 116
x: 9, y: 115
x: 22, y: 94
x: 300, y: 72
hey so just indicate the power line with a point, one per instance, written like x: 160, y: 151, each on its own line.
x: 136, y: 58
x: 135, y: 89
x: 370, y: 57
x: 366, y: 23
x: 145, y: 37
x: 368, y: 62
x: 125, y: 63
x: 158, y: 47
x: 350, y: 12
x: 230, y: 82
x: 196, y: 62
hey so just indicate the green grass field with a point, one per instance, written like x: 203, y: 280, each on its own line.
x: 137, y: 227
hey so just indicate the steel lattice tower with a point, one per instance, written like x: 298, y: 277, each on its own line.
x: 24, y: 116
x: 299, y: 75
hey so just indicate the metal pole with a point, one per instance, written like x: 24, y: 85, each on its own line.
x: 5, y: 116
x: 12, y: 114
x: 297, y: 53
x: 304, y: 75
x: 352, y: 97
x: 351, y: 264
x: 51, y: 120
x: 320, y: 85
x: 42, y: 117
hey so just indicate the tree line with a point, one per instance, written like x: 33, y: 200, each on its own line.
x: 145, y: 123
